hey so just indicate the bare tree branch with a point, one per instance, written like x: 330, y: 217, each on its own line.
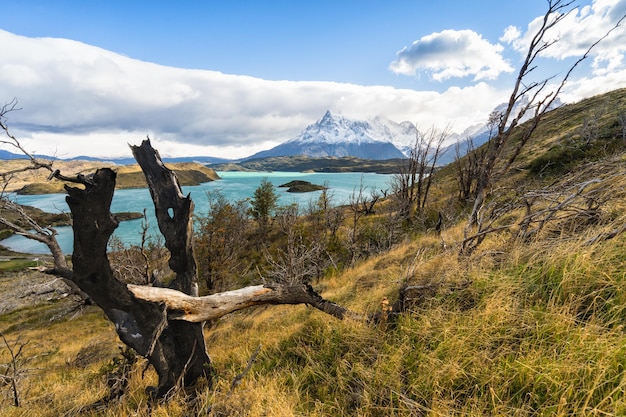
x: 35, y: 164
x: 199, y: 309
x: 538, y: 99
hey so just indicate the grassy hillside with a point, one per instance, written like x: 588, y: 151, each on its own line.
x: 128, y: 176
x: 525, y: 325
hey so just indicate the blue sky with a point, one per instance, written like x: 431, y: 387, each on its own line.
x: 341, y: 41
x: 229, y: 78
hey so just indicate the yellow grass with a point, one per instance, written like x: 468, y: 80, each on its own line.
x: 532, y: 328
x: 538, y: 332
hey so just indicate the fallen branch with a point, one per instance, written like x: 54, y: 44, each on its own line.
x: 243, y: 374
x: 606, y: 236
x: 181, y: 306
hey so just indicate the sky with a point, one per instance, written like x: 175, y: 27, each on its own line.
x: 231, y: 78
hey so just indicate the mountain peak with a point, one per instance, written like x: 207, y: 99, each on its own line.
x: 335, y: 135
x: 328, y: 118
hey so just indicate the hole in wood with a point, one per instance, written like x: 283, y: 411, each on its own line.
x: 170, y: 212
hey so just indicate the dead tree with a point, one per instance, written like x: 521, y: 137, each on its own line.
x: 412, y: 184
x: 32, y: 229
x: 148, y: 318
x: 468, y: 166
x: 45, y: 235
x: 15, y: 368
x: 528, y: 97
x: 572, y: 203
x: 185, y: 308
x: 621, y: 117
x: 175, y: 348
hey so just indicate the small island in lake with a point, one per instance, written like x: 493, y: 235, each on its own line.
x: 298, y: 186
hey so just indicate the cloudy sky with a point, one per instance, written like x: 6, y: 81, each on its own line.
x: 230, y: 78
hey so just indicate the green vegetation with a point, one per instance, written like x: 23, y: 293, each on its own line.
x: 16, y: 264
x: 530, y: 323
x: 263, y: 204
x: 307, y: 164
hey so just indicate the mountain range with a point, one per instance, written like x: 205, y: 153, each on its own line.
x: 7, y: 155
x: 336, y: 136
x: 376, y: 139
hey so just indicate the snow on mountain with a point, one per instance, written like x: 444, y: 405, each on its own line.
x: 336, y: 136
x: 378, y: 138
x: 480, y: 133
x: 334, y: 128
x: 401, y: 135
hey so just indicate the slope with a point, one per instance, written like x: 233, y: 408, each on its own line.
x: 524, y: 327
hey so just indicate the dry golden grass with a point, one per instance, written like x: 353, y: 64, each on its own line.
x: 539, y: 331
x: 517, y: 328
x: 68, y: 168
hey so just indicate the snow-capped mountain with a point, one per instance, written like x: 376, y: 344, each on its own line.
x: 337, y: 136
x: 379, y: 138
x: 401, y: 135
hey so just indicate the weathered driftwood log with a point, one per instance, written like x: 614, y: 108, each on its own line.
x: 198, y: 309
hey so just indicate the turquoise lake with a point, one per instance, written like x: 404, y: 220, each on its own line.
x: 234, y: 185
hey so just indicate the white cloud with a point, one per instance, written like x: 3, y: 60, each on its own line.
x: 511, y: 34
x: 579, y: 89
x: 578, y: 31
x: 452, y: 54
x: 82, y: 100
x: 78, y: 99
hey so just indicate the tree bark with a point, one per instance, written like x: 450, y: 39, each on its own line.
x: 174, y: 217
x: 176, y: 356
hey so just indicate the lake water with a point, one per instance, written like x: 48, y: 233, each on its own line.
x: 233, y: 185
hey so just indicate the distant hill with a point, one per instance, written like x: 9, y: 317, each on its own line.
x: 6, y: 155
x: 128, y: 176
x: 300, y: 163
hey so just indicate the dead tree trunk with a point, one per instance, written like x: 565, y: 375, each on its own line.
x: 162, y: 324
x: 174, y: 217
x: 176, y: 350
